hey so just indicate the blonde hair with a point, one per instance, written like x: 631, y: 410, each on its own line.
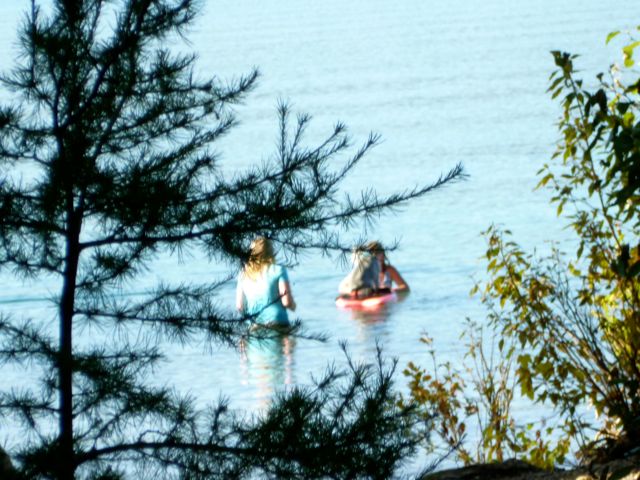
x: 374, y: 247
x: 261, y: 255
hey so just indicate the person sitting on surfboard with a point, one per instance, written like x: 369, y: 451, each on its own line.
x: 371, y: 274
x: 362, y: 281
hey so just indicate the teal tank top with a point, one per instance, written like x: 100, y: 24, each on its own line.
x: 261, y: 296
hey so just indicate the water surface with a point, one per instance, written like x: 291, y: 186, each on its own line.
x: 442, y: 82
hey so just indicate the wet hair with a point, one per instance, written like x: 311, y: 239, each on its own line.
x: 261, y: 255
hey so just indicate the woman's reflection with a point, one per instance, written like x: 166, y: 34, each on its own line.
x: 267, y: 364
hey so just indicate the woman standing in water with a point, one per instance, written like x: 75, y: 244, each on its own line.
x: 263, y: 292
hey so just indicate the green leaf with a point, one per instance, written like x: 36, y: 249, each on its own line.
x: 631, y: 47
x: 544, y: 180
x: 611, y: 36
x: 554, y: 84
x: 628, y: 54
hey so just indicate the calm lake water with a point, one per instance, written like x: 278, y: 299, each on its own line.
x: 442, y: 82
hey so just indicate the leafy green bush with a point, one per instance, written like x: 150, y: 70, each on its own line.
x: 568, y: 324
x: 476, y: 400
x: 578, y: 317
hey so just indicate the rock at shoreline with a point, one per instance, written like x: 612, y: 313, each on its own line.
x: 504, y: 470
x: 625, y: 469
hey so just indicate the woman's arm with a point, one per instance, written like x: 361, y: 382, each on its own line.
x: 285, y: 295
x: 396, y: 278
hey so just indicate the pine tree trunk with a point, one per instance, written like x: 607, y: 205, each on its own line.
x: 66, y: 455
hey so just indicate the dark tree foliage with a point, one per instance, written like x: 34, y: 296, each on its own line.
x: 107, y: 162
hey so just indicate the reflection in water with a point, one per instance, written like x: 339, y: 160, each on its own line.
x: 372, y: 321
x: 371, y: 317
x: 267, y: 365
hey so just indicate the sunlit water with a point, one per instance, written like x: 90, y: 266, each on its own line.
x: 442, y: 82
